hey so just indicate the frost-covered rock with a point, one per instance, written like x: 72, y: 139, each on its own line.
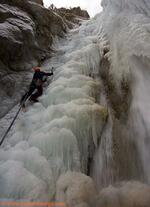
x: 76, y: 190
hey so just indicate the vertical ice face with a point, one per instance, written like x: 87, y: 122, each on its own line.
x: 126, y: 24
x: 126, y: 27
x: 130, y: 6
x: 59, y: 133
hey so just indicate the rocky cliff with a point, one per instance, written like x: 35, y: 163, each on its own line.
x: 71, y: 16
x: 27, y: 30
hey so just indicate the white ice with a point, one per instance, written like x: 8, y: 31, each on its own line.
x: 56, y: 134
x: 59, y: 133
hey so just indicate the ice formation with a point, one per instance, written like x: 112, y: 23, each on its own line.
x: 61, y: 132
x: 129, y: 194
x: 126, y: 25
x: 76, y: 189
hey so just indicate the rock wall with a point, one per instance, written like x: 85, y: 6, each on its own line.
x: 38, y: 1
x: 71, y: 16
x: 27, y: 30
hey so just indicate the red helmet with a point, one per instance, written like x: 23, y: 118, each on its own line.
x: 36, y: 69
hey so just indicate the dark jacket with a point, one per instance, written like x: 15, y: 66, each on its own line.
x: 39, y: 77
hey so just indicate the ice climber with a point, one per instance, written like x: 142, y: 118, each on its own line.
x: 36, y: 85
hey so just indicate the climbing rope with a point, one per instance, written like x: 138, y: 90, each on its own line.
x: 3, y: 138
x: 9, y: 128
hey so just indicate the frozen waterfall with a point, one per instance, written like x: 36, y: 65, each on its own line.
x: 61, y: 132
x: 93, y: 118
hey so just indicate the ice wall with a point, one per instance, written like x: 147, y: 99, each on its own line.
x: 59, y: 133
x: 125, y: 26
